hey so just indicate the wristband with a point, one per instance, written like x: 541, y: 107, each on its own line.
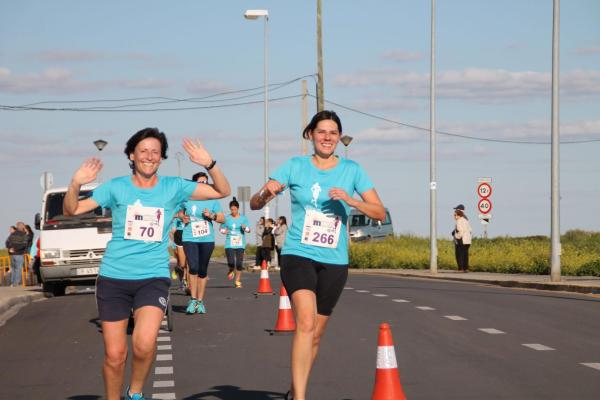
x: 211, y: 165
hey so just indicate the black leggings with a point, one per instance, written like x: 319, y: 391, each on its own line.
x: 235, y: 259
x: 462, y: 255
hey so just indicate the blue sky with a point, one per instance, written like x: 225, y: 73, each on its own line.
x: 493, y: 75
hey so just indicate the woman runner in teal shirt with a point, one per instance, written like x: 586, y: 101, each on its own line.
x: 314, y: 258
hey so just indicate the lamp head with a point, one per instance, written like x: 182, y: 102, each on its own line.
x: 100, y: 144
x: 346, y: 140
x: 255, y: 14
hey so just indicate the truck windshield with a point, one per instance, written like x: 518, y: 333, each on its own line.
x: 359, y: 220
x: 54, y: 213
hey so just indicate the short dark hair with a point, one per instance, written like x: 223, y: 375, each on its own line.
x: 145, y: 134
x: 234, y: 203
x: 283, y: 219
x: 197, y: 176
x: 322, y: 116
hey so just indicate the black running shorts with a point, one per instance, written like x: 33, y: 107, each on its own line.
x: 198, y: 257
x: 116, y: 298
x: 325, y: 280
x: 177, y: 238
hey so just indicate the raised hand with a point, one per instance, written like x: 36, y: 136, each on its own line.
x: 339, y: 194
x: 88, y: 171
x: 272, y: 188
x: 197, y: 152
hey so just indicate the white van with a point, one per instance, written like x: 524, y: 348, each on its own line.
x: 365, y: 228
x: 70, y: 247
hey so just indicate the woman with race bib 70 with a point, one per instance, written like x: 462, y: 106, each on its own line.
x: 314, y: 258
x: 134, y: 273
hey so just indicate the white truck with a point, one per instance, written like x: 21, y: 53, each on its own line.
x: 70, y: 247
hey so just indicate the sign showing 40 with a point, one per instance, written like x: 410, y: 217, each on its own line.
x: 484, y: 206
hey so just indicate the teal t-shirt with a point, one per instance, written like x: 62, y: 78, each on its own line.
x: 195, y: 209
x: 139, y: 259
x: 309, y: 190
x: 236, y: 237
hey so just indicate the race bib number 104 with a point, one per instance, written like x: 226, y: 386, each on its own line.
x: 321, y: 230
x: 144, y: 223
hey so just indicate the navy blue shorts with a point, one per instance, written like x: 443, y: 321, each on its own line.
x: 327, y: 281
x: 116, y: 298
x: 198, y: 257
x: 235, y: 259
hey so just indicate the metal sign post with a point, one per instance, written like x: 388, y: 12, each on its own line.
x: 243, y: 195
x: 484, y: 205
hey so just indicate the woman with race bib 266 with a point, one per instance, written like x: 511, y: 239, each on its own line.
x: 134, y: 273
x: 314, y: 258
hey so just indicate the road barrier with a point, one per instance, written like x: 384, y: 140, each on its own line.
x: 27, y: 275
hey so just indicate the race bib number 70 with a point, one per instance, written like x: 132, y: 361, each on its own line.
x: 144, y: 223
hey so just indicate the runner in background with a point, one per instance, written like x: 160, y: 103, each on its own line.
x: 314, y: 258
x: 181, y: 269
x: 134, y: 272
x: 235, y: 227
x: 199, y: 243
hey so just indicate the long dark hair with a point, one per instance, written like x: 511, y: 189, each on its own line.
x: 145, y: 134
x: 234, y: 203
x: 321, y: 116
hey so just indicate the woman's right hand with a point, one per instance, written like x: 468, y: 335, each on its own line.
x: 88, y: 171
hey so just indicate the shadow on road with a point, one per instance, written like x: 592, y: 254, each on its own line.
x: 229, y: 392
x: 84, y: 397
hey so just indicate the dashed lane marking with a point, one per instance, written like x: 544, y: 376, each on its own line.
x: 162, y: 347
x: 363, y: 291
x: 164, y: 357
x: 380, y: 295
x: 455, y: 317
x: 592, y: 365
x: 163, y: 371
x: 401, y: 301
x: 538, y: 347
x: 348, y: 288
x: 425, y: 308
x: 163, y: 339
x: 164, y: 396
x: 491, y: 331
x: 162, y: 384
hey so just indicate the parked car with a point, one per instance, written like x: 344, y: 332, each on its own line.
x: 365, y: 228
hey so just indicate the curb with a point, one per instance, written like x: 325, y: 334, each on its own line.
x: 7, y: 304
x: 565, y: 287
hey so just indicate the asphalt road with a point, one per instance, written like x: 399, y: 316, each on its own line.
x: 453, y: 340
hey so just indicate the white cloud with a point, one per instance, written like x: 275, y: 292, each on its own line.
x: 64, y: 81
x: 402, y: 56
x: 79, y: 56
x: 587, y: 50
x: 59, y: 56
x: 476, y: 83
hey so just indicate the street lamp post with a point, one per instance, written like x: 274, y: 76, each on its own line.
x: 346, y: 142
x: 255, y: 14
x: 179, y: 157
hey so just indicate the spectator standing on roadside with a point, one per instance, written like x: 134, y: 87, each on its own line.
x: 16, y: 243
x: 280, y: 231
x: 462, y: 238
x: 260, y: 227
x: 268, y: 242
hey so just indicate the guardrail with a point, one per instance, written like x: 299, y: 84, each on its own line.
x: 28, y: 277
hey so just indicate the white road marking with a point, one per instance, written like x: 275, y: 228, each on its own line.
x: 491, y: 331
x: 401, y: 301
x: 164, y: 357
x: 538, y: 347
x: 425, y: 308
x: 163, y: 339
x: 348, y: 288
x: 164, y: 396
x: 164, y: 347
x: 362, y: 291
x: 592, y: 365
x: 455, y: 317
x: 163, y: 371
x: 164, y: 322
x: 163, y: 384
x: 380, y: 295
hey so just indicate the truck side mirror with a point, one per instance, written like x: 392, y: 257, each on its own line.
x: 37, y: 221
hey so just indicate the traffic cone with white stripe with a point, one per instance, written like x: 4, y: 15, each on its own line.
x: 264, y: 284
x: 285, y: 317
x: 387, y: 378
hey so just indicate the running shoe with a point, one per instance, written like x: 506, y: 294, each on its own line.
x: 238, y: 284
x: 201, y: 309
x: 133, y: 396
x: 173, y: 275
x: 230, y: 275
x: 192, y: 306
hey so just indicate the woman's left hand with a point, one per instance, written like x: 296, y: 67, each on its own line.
x: 197, y: 152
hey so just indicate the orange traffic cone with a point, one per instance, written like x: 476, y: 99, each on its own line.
x: 387, y: 379
x: 285, y: 317
x: 264, y: 284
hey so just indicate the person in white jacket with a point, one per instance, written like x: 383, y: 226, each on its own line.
x: 462, y: 238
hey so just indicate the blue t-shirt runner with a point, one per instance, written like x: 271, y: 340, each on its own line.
x: 236, y: 236
x: 311, y: 206
x: 200, y: 229
x: 140, y: 222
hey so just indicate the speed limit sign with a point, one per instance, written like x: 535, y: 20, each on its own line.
x: 484, y: 206
x: 484, y: 190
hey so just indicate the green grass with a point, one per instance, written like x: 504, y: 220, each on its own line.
x: 530, y: 255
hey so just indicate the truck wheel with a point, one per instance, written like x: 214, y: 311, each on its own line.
x: 48, y: 289
x: 59, y: 289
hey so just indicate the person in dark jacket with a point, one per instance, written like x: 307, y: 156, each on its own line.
x: 268, y: 242
x: 16, y: 243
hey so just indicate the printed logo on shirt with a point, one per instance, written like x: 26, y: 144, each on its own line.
x: 316, y: 191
